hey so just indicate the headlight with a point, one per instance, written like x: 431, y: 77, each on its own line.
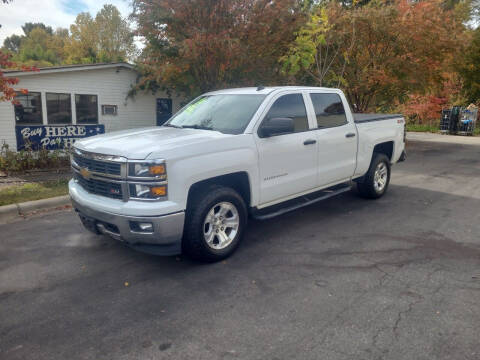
x: 147, y: 170
x: 148, y: 191
x: 147, y: 180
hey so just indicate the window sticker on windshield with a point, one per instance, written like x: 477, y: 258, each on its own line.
x: 193, y: 106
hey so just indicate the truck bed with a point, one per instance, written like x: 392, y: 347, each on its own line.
x: 363, y: 118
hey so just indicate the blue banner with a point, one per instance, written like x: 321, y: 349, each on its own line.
x: 53, y: 137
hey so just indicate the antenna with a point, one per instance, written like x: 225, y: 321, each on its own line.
x: 260, y: 87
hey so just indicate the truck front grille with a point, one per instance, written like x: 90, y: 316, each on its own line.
x: 101, y: 167
x: 98, y: 187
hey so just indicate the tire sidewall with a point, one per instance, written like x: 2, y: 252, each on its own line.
x: 199, y: 213
x: 380, y: 158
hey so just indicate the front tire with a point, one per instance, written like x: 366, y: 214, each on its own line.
x: 375, y: 182
x: 215, y: 223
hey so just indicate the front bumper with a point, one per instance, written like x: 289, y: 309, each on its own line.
x: 165, y: 239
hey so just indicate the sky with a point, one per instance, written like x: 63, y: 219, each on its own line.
x: 54, y: 13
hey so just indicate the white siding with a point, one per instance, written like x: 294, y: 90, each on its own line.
x: 110, y: 85
x: 7, y: 125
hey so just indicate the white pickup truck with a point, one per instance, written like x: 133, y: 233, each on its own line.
x: 191, y: 184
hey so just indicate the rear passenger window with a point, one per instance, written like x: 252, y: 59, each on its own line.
x: 291, y: 106
x: 329, y: 110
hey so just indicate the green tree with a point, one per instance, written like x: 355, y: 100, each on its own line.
x: 12, y: 43
x: 105, y: 38
x: 469, y: 68
x: 317, y: 47
x: 115, y: 38
x: 82, y: 46
x: 28, y: 27
x: 36, y: 48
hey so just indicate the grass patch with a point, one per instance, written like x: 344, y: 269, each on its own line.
x: 422, y: 128
x: 33, y: 191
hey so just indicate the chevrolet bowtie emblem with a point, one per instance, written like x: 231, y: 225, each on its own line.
x: 85, y: 173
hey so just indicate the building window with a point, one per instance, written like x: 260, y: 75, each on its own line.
x: 59, y: 108
x: 329, y: 110
x: 86, y: 107
x: 28, y: 109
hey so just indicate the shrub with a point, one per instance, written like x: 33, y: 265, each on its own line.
x: 27, y: 159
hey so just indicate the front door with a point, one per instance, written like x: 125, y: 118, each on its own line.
x: 164, y: 110
x: 287, y: 162
x: 337, y: 139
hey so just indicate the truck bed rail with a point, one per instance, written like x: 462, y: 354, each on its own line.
x: 363, y: 118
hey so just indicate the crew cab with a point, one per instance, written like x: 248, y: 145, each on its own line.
x: 190, y: 185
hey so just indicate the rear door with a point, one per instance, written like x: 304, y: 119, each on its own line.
x: 336, y: 135
x: 287, y: 162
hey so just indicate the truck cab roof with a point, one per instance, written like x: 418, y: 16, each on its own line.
x: 267, y: 90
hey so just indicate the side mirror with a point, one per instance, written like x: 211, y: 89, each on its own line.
x: 276, y: 126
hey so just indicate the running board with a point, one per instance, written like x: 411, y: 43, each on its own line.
x: 297, y: 203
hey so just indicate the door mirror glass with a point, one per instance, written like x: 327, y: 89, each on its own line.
x: 277, y: 126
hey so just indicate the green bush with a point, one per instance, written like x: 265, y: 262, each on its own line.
x: 27, y: 159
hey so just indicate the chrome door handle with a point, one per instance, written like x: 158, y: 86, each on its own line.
x: 349, y: 135
x: 309, y: 142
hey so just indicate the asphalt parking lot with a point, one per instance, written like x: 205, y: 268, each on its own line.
x: 396, y: 278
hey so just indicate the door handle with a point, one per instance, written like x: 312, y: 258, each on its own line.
x: 349, y: 135
x: 309, y: 142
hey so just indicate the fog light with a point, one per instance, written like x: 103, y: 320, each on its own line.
x: 144, y: 227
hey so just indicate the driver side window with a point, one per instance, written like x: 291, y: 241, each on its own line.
x: 290, y: 106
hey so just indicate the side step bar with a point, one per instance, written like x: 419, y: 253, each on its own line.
x: 297, y: 203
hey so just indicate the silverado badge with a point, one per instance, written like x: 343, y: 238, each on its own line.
x: 85, y: 173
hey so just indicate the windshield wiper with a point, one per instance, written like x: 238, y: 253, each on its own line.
x: 172, y: 125
x: 196, y: 126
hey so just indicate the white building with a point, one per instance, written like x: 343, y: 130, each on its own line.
x: 68, y: 102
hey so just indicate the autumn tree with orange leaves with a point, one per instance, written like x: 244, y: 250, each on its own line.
x: 201, y: 45
x: 378, y: 54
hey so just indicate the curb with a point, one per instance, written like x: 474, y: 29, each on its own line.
x: 12, y: 211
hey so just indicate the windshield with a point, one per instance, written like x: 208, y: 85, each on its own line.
x: 227, y: 113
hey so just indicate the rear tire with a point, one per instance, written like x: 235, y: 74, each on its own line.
x: 375, y: 182
x: 215, y: 222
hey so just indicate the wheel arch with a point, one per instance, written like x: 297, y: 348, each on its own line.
x: 239, y: 181
x: 385, y: 148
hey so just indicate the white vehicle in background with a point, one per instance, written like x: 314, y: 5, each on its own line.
x: 191, y: 184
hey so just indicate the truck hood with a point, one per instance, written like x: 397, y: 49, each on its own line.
x: 139, y: 143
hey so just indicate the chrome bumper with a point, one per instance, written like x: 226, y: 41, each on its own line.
x: 165, y: 239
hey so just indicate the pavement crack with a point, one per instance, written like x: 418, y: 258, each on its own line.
x: 385, y: 275
x: 402, y: 314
